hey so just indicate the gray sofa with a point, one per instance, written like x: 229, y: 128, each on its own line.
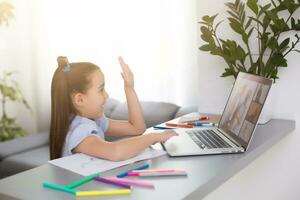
x: 31, y: 151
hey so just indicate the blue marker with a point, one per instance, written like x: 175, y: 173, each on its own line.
x: 145, y: 166
x: 163, y: 127
x: 203, y: 124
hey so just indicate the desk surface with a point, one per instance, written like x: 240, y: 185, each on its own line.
x: 205, y: 173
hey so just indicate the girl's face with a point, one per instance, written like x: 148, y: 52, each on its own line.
x: 92, y: 105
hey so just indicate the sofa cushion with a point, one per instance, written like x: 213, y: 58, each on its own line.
x: 185, y: 110
x: 110, y: 105
x: 23, y: 144
x: 24, y: 161
x: 154, y: 112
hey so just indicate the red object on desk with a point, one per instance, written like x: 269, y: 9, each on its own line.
x: 180, y: 125
x: 204, y: 118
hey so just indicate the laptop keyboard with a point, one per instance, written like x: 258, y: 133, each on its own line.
x: 207, y: 138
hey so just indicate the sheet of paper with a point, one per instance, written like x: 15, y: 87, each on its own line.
x: 86, y: 165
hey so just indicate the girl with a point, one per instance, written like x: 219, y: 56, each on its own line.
x: 77, y: 121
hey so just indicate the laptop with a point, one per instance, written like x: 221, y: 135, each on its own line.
x: 237, y: 124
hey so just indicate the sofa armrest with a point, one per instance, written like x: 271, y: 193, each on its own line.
x: 23, y: 144
x: 186, y: 110
x: 154, y: 112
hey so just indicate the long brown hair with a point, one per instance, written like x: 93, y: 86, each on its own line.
x: 68, y: 79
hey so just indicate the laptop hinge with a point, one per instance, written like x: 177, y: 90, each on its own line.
x: 230, y: 138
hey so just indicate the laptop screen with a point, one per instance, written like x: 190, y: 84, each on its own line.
x: 244, y: 106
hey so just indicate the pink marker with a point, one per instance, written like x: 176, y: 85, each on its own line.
x: 176, y: 173
x: 140, y: 183
x: 158, y: 170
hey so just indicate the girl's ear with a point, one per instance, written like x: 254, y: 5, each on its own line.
x: 77, y: 99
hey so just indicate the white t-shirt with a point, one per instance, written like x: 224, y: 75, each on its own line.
x: 82, y: 127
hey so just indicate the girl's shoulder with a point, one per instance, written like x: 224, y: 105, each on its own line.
x: 79, y: 121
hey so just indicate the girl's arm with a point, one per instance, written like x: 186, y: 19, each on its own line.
x: 122, y: 149
x: 136, y: 122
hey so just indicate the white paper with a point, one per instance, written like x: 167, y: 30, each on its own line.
x: 86, y: 165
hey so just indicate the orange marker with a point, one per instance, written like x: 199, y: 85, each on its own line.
x: 180, y: 125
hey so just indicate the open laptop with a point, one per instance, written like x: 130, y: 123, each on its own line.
x: 237, y: 124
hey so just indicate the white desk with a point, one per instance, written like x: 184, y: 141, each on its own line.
x: 205, y: 173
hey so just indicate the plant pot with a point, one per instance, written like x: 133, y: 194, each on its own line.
x: 267, y: 112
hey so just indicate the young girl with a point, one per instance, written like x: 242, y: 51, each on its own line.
x: 77, y: 121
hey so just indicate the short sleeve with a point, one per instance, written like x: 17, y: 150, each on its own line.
x: 103, y: 123
x: 79, y: 134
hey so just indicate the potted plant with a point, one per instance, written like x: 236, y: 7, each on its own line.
x: 9, y: 89
x: 253, y: 21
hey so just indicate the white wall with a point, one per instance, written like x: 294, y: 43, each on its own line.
x: 158, y: 39
x: 275, y: 174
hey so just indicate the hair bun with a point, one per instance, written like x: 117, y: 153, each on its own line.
x: 62, y: 61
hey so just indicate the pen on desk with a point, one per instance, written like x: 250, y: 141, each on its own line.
x: 108, y: 181
x: 138, y: 168
x: 175, y: 173
x: 82, y: 181
x: 163, y: 127
x: 60, y: 188
x: 202, y: 124
x: 204, y: 118
x: 180, y: 125
x: 102, y: 193
x: 135, y: 182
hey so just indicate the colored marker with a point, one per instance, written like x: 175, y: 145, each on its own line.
x: 202, y: 124
x: 178, y: 173
x: 134, y: 182
x: 162, y: 127
x: 82, y: 181
x: 179, y: 125
x: 157, y: 170
x: 58, y: 187
x: 204, y: 118
x: 104, y: 180
x: 138, y: 168
x: 102, y: 193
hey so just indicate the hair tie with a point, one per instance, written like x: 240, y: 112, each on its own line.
x: 67, y: 68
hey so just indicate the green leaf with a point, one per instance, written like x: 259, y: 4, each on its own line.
x: 278, y: 60
x: 263, y: 9
x: 290, y: 5
x: 206, y: 18
x: 252, y: 4
x: 248, y: 23
x: 273, y: 44
x: 205, y: 47
x: 256, y: 20
x: 233, y: 15
x: 209, y: 19
x: 296, y: 50
x: 236, y: 26
x: 228, y: 72
x: 284, y: 43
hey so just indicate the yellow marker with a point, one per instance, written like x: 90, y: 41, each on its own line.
x: 102, y: 193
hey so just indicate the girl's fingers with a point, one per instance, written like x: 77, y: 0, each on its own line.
x: 124, y: 66
x: 121, y: 61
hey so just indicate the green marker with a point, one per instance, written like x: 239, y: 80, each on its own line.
x: 58, y: 187
x: 82, y: 181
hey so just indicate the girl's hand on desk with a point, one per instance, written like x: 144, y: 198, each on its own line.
x: 126, y: 74
x: 165, y: 135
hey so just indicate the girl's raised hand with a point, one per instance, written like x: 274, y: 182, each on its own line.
x: 126, y: 74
